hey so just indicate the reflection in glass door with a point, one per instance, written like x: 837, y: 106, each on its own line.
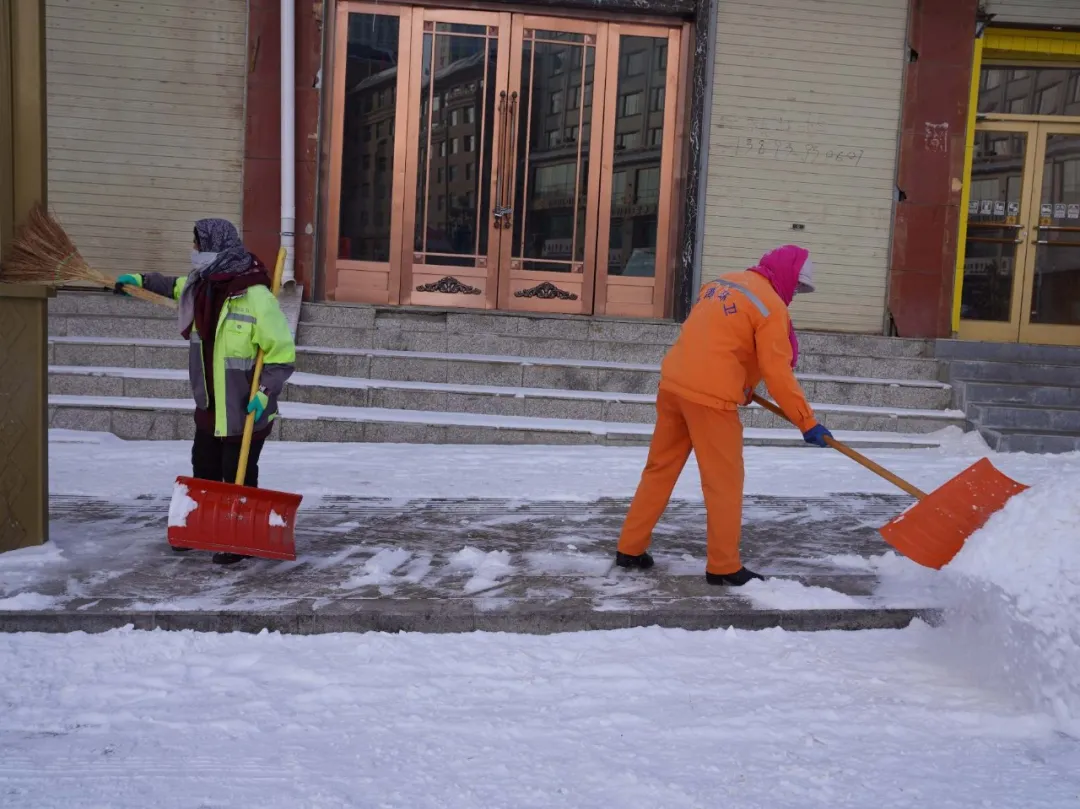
x: 549, y: 211
x: 454, y: 160
x: 998, y: 214
x: 500, y: 160
x: 639, y: 158
x: 1022, y: 258
x: 372, y: 53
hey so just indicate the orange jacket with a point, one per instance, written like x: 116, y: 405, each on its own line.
x: 736, y: 334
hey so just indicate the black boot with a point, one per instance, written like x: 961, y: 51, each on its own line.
x: 228, y: 558
x: 640, y: 562
x: 736, y: 579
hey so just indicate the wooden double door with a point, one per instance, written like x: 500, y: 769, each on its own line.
x: 499, y: 160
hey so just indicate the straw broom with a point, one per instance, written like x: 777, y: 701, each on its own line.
x: 43, y: 254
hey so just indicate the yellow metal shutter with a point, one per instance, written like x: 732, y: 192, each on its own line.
x: 1035, y: 12
x: 804, y: 132
x: 146, y: 124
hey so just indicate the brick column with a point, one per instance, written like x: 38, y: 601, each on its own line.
x: 262, y: 148
x: 930, y: 175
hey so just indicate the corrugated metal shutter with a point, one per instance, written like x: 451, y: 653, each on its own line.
x: 804, y: 132
x: 146, y: 124
x: 1035, y: 12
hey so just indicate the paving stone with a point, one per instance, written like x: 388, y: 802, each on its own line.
x: 117, y: 569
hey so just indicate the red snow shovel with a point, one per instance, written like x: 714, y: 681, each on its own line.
x: 933, y: 530
x: 207, y: 515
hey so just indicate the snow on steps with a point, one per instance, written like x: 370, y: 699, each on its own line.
x: 495, y: 371
x: 169, y: 419
x: 497, y: 368
x: 543, y: 403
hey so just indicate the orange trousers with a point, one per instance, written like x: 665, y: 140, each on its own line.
x: 715, y: 436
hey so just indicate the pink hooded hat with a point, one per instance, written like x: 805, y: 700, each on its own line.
x: 789, y: 270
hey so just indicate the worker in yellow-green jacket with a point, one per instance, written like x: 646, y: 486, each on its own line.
x: 227, y: 313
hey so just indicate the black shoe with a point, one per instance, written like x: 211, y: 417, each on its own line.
x: 736, y: 579
x: 228, y: 558
x: 179, y: 550
x: 642, y: 561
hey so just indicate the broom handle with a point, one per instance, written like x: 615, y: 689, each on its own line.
x: 858, y: 457
x: 249, y: 423
x: 147, y: 295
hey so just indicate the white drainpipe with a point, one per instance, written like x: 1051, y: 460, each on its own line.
x: 288, y: 138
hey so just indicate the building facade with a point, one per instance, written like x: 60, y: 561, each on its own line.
x: 595, y: 158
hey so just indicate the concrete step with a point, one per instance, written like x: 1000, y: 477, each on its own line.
x: 975, y: 393
x: 464, y: 369
x: 1026, y: 417
x: 170, y: 419
x: 567, y: 327
x: 612, y: 408
x: 1031, y: 374
x: 1039, y: 442
x: 583, y: 340
x: 105, y: 304
x: 948, y: 350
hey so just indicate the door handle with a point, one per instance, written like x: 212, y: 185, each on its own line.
x: 506, y: 194
x: 498, y: 209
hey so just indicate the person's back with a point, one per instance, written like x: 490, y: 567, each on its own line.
x: 714, y: 361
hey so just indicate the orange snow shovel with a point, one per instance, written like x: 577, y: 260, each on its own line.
x: 933, y: 530
x: 208, y: 515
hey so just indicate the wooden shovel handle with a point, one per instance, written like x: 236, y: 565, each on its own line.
x: 858, y: 457
x: 249, y: 423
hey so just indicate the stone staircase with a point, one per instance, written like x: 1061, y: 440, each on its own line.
x: 366, y: 374
x: 1021, y: 398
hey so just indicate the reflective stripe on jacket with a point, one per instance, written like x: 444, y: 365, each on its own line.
x: 736, y: 334
x: 248, y: 322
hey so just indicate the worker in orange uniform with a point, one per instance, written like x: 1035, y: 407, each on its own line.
x: 738, y: 333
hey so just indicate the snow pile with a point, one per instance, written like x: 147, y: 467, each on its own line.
x: 1016, y: 615
x: 276, y: 520
x: 486, y: 568
x: 379, y: 569
x: 181, y: 506
x: 27, y: 601
x: 788, y: 594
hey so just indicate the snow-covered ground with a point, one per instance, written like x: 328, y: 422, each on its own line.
x: 643, y: 719
x: 102, y: 465
x: 983, y: 711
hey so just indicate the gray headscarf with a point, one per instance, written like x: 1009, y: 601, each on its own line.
x: 221, y: 254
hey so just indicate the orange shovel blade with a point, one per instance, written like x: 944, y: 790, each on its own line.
x: 207, y: 515
x: 933, y: 530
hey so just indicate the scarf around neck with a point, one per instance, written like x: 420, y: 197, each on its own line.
x: 221, y: 268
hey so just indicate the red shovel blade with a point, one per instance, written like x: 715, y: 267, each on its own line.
x: 934, y: 530
x: 207, y: 515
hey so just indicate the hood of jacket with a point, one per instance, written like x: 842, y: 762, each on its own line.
x: 782, y: 266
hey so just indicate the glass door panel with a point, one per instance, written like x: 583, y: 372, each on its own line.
x: 547, y: 210
x: 453, y: 159
x: 999, y: 213
x: 639, y: 143
x: 1052, y: 290
x: 367, y: 189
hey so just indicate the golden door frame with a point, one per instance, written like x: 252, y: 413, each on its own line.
x: 1029, y: 230
x: 492, y: 283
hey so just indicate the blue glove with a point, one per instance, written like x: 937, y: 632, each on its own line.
x: 816, y: 435
x: 127, y: 280
x: 258, y: 405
